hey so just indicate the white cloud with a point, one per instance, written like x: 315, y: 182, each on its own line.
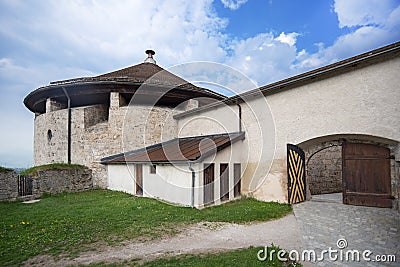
x: 233, y: 4
x: 375, y: 23
x: 289, y: 38
x: 263, y: 58
x: 80, y: 33
x: 361, y: 13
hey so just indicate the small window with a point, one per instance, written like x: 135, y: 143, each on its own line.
x: 153, y: 169
x: 49, y: 135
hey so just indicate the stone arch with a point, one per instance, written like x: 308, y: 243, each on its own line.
x: 324, y: 161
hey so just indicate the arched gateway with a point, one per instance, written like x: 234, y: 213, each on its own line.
x: 358, y: 166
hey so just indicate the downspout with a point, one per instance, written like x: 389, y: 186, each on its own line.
x: 69, y: 125
x: 240, y: 116
x: 193, y: 180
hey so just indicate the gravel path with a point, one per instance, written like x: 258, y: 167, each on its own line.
x: 199, y: 238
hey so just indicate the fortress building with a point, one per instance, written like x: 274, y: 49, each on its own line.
x: 146, y: 131
x: 81, y: 120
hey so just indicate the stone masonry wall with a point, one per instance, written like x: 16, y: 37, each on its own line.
x: 95, y: 114
x: 65, y: 180
x: 47, y: 181
x: 100, y: 131
x: 8, y: 185
x: 324, y: 168
x: 50, y: 149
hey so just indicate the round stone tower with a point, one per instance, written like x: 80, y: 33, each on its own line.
x: 85, y: 119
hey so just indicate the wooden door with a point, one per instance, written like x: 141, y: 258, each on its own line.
x: 366, y: 175
x: 139, y: 179
x: 224, y: 181
x: 208, y: 182
x: 237, y: 172
x: 296, y: 174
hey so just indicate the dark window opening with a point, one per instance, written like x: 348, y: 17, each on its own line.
x: 224, y: 181
x: 139, y: 180
x: 208, y: 182
x: 153, y: 169
x: 49, y: 135
x: 237, y: 180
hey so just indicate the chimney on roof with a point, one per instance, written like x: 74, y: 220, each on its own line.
x: 150, y: 53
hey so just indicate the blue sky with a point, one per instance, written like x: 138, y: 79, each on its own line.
x: 267, y: 40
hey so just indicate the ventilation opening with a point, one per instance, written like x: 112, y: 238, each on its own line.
x: 49, y: 135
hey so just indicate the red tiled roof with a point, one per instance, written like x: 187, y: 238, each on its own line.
x: 178, y: 149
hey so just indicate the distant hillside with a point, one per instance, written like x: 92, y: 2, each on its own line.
x: 18, y: 170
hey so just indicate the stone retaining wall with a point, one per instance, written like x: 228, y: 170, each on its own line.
x: 65, y: 180
x: 47, y: 181
x: 8, y: 185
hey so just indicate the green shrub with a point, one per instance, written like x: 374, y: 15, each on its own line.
x: 3, y: 169
x: 54, y: 166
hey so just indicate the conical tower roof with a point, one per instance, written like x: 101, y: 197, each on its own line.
x: 95, y: 90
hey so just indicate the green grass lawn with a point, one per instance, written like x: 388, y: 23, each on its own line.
x: 69, y: 223
x: 235, y: 258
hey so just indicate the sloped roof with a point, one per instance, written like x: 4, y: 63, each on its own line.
x: 184, y: 149
x: 138, y: 73
x: 86, y: 91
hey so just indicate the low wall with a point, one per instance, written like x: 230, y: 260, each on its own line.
x: 51, y: 181
x: 65, y: 180
x: 8, y: 185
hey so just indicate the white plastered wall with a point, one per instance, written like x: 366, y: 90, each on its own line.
x: 363, y: 101
x: 231, y: 155
x: 121, y: 178
x: 171, y: 183
x: 222, y: 119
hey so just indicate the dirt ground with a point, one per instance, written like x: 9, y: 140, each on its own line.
x: 198, y: 238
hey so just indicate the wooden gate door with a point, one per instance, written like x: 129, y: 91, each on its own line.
x: 208, y: 182
x: 224, y: 181
x: 296, y: 174
x: 139, y: 179
x: 237, y: 172
x: 366, y: 175
x: 24, y: 185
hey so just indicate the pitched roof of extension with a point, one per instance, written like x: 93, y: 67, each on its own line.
x: 184, y: 149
